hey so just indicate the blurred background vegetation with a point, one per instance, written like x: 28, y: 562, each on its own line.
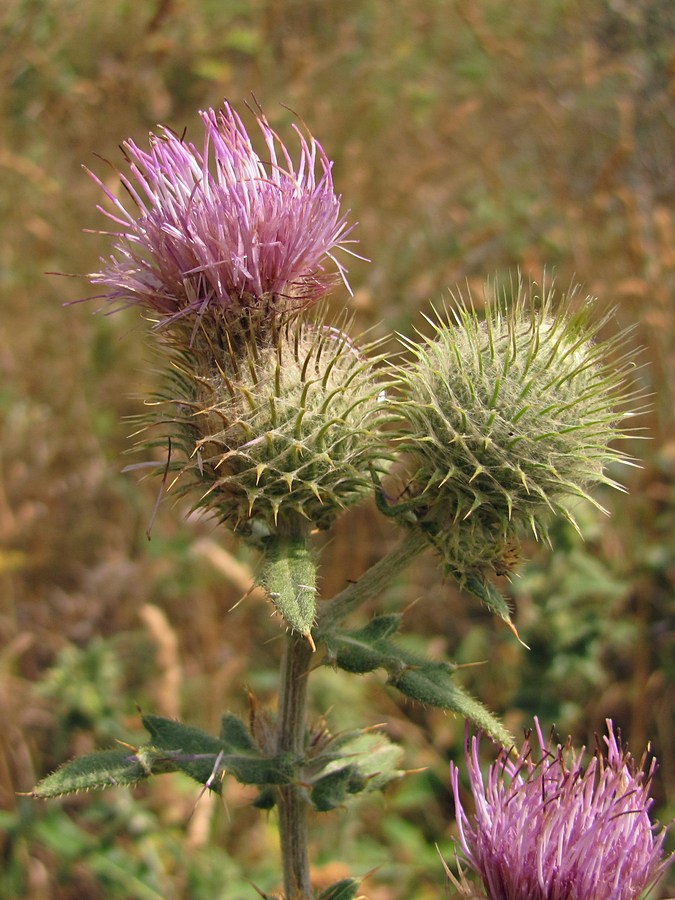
x: 470, y: 138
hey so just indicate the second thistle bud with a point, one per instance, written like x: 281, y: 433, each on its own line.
x: 504, y: 419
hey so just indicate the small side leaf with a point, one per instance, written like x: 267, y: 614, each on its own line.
x: 175, y: 747
x: 234, y: 733
x: 289, y: 577
x: 482, y: 588
x: 171, y: 734
x: 364, y: 649
x: 194, y: 751
x: 260, y: 770
x: 333, y: 789
x: 198, y: 754
x: 351, y: 763
x: 96, y: 771
x: 266, y: 799
x: 486, y: 591
x: 374, y: 755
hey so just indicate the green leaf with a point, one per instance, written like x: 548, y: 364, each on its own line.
x: 194, y: 751
x: 202, y: 756
x: 364, y: 649
x: 369, y: 648
x: 482, y: 588
x: 176, y: 748
x: 373, y: 754
x: 234, y: 733
x: 487, y: 592
x: 260, y: 770
x: 266, y: 799
x: 289, y: 577
x: 381, y: 627
x: 170, y: 734
x: 332, y: 790
x: 431, y: 683
x: 96, y: 771
x: 346, y: 889
x: 351, y: 763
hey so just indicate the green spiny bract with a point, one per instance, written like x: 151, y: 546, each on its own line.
x: 280, y: 432
x: 503, y: 420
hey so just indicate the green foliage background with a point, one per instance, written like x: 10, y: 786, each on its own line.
x: 469, y: 137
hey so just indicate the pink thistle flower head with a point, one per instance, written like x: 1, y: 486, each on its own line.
x: 547, y: 829
x: 220, y: 229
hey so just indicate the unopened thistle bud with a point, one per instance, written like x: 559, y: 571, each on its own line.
x: 280, y: 441
x: 505, y: 419
x: 276, y: 443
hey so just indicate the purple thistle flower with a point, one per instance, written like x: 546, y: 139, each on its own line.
x: 221, y: 229
x: 548, y: 830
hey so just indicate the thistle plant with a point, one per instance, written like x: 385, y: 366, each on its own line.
x: 547, y: 827
x: 274, y: 420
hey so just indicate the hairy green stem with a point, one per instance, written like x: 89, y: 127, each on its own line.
x: 288, y: 575
x: 292, y: 800
x: 372, y: 582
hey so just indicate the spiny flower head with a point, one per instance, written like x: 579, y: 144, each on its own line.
x: 282, y: 439
x: 548, y: 829
x: 504, y: 419
x: 221, y: 231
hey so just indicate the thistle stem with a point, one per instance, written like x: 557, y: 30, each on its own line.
x: 372, y: 582
x: 292, y: 800
x: 293, y: 803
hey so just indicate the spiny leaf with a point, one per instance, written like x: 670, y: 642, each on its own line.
x: 202, y: 756
x: 260, y: 770
x: 333, y: 789
x: 350, y: 763
x: 198, y: 750
x: 176, y: 748
x: 234, y: 733
x: 364, y: 649
x: 483, y: 589
x: 289, y: 576
x: 107, y: 768
x: 429, y: 682
x: 266, y: 799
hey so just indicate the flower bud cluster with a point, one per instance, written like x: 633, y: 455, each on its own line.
x: 502, y: 418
